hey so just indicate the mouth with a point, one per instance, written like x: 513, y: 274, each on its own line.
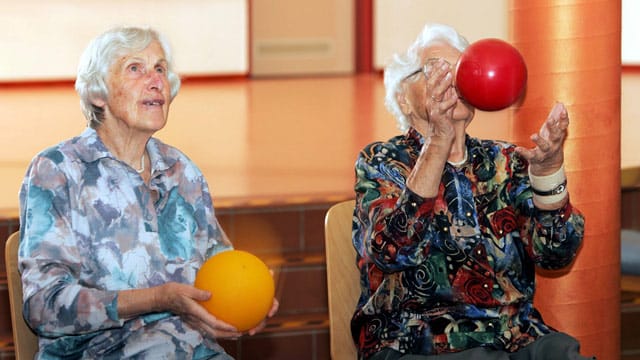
x: 153, y: 102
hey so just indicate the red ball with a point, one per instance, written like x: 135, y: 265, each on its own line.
x: 491, y: 75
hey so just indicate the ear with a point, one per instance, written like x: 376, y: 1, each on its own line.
x: 403, y: 102
x: 97, y: 101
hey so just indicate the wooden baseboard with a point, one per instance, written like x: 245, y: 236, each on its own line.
x: 630, y: 283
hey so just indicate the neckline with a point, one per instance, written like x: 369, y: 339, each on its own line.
x: 142, y: 163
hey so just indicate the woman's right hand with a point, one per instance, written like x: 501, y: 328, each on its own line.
x: 441, y: 98
x: 183, y: 300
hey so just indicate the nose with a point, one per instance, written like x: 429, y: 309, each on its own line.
x: 156, y: 81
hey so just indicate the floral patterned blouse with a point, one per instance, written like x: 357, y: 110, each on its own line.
x: 90, y: 227
x: 456, y: 271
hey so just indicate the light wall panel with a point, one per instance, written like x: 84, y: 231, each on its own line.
x: 293, y: 37
x: 398, y: 22
x: 631, y: 32
x: 43, y: 40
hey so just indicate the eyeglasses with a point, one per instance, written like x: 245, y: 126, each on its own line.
x: 424, y: 68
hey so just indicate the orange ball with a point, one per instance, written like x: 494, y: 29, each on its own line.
x: 241, y: 286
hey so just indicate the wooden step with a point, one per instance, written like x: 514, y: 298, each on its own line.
x: 292, y: 337
x: 629, y: 325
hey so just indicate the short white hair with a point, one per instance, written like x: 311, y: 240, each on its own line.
x: 402, y: 65
x: 101, y: 53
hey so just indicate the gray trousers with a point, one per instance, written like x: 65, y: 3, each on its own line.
x: 553, y: 346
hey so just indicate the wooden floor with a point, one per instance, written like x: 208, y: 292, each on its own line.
x: 256, y: 140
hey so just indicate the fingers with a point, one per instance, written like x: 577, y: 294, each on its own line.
x: 548, y: 149
x: 557, y: 123
x: 554, y: 130
x: 439, y: 80
x: 527, y: 154
x: 214, y: 327
x: 542, y: 143
x: 184, y: 301
x: 206, y: 322
x: 274, y: 308
x: 200, y: 295
x: 258, y: 328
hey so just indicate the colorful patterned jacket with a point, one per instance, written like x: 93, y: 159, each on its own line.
x: 456, y: 271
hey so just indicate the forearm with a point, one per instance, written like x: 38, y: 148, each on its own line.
x: 426, y: 175
x: 557, y: 235
x: 390, y: 226
x: 136, y: 302
x: 62, y: 308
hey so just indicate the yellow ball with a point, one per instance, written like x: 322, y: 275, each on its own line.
x: 241, y: 286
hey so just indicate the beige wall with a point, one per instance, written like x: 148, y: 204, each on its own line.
x: 33, y: 117
x: 630, y: 144
x: 44, y: 39
x: 398, y: 22
x: 293, y: 37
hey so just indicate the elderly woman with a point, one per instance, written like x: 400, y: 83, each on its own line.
x: 449, y: 228
x: 115, y: 223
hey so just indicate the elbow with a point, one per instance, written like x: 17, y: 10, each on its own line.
x: 558, y: 258
x: 39, y: 319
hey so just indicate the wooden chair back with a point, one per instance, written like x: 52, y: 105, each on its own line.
x: 343, y: 278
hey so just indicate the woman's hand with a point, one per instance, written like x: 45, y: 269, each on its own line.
x: 548, y: 154
x: 441, y: 99
x: 182, y: 300
x: 263, y: 323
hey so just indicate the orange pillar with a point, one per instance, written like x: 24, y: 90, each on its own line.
x: 572, y: 50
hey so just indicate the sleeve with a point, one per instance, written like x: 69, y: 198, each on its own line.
x: 552, y: 238
x: 391, y: 222
x: 556, y: 236
x: 217, y: 240
x: 56, y: 302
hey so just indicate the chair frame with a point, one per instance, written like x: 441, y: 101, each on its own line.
x: 343, y: 278
x: 25, y: 341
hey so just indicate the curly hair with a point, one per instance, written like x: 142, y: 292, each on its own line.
x: 100, y: 54
x: 402, y: 65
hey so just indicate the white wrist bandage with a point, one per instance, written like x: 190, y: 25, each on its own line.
x: 549, y: 189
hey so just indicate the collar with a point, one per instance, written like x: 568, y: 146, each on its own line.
x: 90, y: 148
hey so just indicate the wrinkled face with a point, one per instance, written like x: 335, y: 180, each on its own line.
x: 416, y: 85
x: 139, y: 91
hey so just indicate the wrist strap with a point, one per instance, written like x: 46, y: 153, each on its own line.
x: 548, y: 182
x: 559, y: 189
x: 551, y: 188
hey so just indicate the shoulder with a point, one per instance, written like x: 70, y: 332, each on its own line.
x: 167, y: 151
x: 395, y: 146
x: 172, y: 160
x: 498, y: 152
x: 495, y: 149
x: 489, y: 143
x: 65, y: 152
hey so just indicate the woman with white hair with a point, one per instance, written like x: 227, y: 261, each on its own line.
x: 449, y: 228
x: 115, y: 223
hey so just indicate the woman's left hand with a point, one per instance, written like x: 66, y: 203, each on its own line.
x: 548, y: 154
x: 272, y: 311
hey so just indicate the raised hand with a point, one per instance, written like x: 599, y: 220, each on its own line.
x: 548, y: 154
